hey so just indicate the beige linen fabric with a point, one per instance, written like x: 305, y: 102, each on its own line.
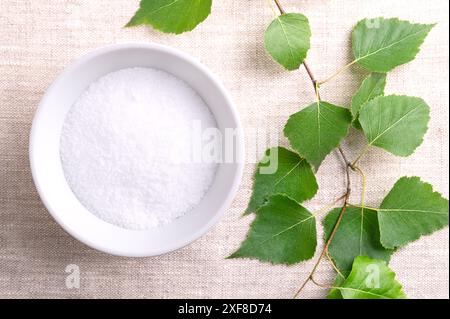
x: 39, y: 38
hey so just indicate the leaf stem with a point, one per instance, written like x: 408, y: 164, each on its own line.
x: 365, y: 206
x: 275, y: 14
x: 337, y: 73
x: 329, y: 206
x: 363, y: 187
x: 277, y: 2
x: 318, y: 99
x: 361, y: 154
x: 334, y: 265
x: 315, y: 282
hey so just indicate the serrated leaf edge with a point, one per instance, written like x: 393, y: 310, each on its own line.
x: 430, y: 188
x: 392, y: 275
x: 314, y: 168
x: 356, y: 116
x: 149, y: 23
x: 406, y: 96
x: 235, y: 256
x: 431, y: 26
x: 249, y: 212
x: 278, y: 19
x: 375, y: 210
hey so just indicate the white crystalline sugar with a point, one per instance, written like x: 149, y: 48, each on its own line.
x: 126, y: 148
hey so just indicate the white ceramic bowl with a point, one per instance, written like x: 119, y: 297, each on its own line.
x: 48, y: 173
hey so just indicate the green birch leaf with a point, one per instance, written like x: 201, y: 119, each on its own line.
x: 316, y: 130
x: 372, y: 87
x: 282, y: 172
x: 409, y: 211
x: 371, y: 279
x: 381, y: 45
x: 172, y: 16
x: 287, y: 39
x: 357, y: 235
x: 283, y: 232
x: 395, y: 123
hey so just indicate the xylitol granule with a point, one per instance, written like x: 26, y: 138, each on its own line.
x: 126, y: 148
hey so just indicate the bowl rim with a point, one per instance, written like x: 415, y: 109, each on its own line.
x: 240, y: 144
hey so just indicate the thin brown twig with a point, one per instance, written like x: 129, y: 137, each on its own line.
x: 344, y: 157
x: 277, y: 2
x: 346, y: 196
x: 315, y: 282
x: 348, y: 166
x: 313, y: 79
x: 327, y: 245
x: 305, y: 64
x: 329, y: 206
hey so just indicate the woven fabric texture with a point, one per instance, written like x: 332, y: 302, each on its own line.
x: 39, y: 38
